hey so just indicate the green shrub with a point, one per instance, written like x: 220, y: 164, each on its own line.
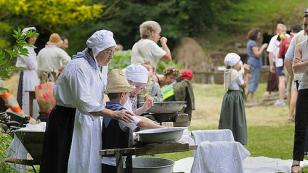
x: 122, y: 59
x: 4, y: 144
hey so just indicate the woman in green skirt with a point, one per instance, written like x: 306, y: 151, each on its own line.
x: 232, y: 114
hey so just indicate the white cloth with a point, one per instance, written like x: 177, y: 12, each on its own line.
x: 259, y: 164
x: 137, y: 73
x: 212, y: 135
x: 146, y: 50
x: 82, y: 87
x: 217, y: 152
x: 231, y: 59
x: 233, y: 79
x: 30, y: 79
x: 52, y: 58
x: 41, y: 127
x: 100, y: 41
x: 219, y: 157
x: 186, y: 137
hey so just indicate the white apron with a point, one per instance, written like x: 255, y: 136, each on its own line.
x: 87, y: 136
x: 30, y: 80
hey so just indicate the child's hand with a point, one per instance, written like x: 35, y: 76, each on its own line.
x: 246, y: 68
x: 148, y: 103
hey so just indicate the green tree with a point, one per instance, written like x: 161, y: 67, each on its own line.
x: 8, y: 56
x: 178, y: 18
x: 50, y: 15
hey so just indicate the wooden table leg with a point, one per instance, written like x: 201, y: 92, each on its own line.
x: 31, y: 98
x: 119, y: 162
x: 129, y: 164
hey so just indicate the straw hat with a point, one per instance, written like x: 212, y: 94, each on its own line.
x: 117, y: 82
x: 55, y: 39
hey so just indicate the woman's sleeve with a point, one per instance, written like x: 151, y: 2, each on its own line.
x: 80, y: 85
x: 26, y: 62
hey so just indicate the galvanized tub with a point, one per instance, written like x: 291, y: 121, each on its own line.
x: 33, y: 142
x: 167, y: 107
x: 160, y: 135
x: 152, y: 165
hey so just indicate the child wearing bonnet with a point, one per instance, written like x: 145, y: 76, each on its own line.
x: 232, y: 115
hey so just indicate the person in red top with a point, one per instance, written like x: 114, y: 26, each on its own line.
x: 284, y: 45
x: 292, y: 93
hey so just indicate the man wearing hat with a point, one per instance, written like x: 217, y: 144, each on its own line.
x: 117, y: 133
x: 73, y: 134
x: 52, y: 58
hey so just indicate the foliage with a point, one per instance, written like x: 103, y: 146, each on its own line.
x: 122, y: 59
x: 177, y: 18
x: 4, y: 144
x: 47, y: 16
x: 262, y: 13
x: 8, y: 56
x: 51, y: 14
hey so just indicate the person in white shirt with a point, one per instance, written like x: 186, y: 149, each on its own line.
x: 52, y: 58
x: 275, y: 62
x: 73, y: 134
x: 146, y: 49
x: 28, y: 76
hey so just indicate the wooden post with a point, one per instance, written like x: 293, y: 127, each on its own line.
x: 31, y: 98
x: 119, y: 162
x: 129, y: 163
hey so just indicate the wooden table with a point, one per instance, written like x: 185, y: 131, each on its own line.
x: 144, y: 150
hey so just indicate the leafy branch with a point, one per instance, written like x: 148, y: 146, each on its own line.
x: 9, y: 56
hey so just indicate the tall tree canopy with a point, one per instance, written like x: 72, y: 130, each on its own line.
x: 52, y: 15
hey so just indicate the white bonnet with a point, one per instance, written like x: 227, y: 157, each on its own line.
x: 137, y: 73
x: 100, y: 41
x: 231, y: 59
x: 25, y: 30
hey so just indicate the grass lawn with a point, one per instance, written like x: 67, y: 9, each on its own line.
x: 269, y: 133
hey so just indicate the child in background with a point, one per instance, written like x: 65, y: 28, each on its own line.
x: 152, y: 88
x: 116, y: 133
x: 232, y: 115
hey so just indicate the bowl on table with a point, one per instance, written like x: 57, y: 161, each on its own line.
x: 160, y: 135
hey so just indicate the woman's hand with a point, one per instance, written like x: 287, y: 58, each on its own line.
x: 272, y: 69
x: 163, y: 40
x: 123, y: 115
x: 264, y: 46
